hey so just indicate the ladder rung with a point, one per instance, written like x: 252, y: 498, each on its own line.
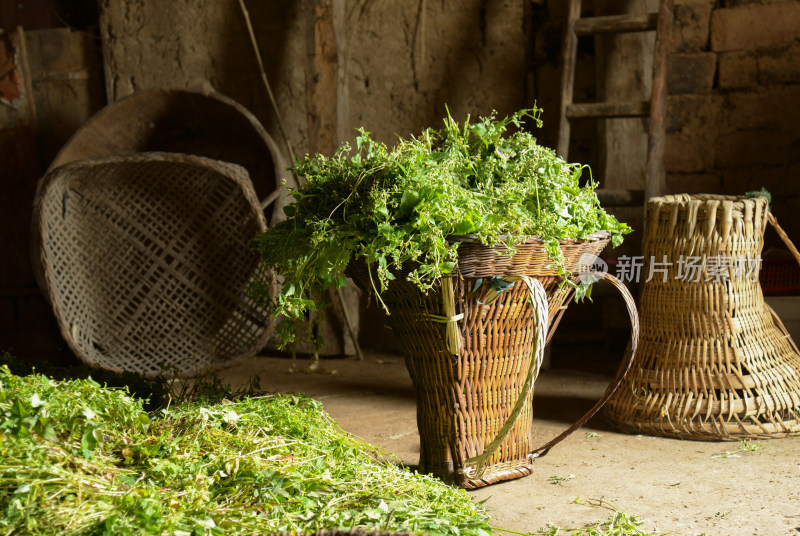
x: 616, y: 24
x: 609, y: 109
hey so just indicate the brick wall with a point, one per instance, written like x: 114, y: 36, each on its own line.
x: 734, y: 106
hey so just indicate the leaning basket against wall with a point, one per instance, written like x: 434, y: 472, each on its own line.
x: 473, y: 347
x: 145, y: 260
x: 142, y: 233
x: 714, y: 362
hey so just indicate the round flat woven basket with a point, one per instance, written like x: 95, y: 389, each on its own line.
x: 181, y: 121
x: 473, y: 349
x: 715, y: 362
x: 147, y: 259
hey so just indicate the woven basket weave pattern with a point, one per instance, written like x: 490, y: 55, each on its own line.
x: 147, y: 260
x: 714, y: 362
x: 464, y: 400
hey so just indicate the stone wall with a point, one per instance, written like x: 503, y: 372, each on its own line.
x: 734, y: 108
x: 733, y: 111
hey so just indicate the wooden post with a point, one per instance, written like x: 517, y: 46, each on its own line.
x: 322, y: 80
x: 322, y: 97
x: 656, y: 184
x: 568, y: 58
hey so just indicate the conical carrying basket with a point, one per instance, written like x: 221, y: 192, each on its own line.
x: 714, y: 362
x: 473, y: 347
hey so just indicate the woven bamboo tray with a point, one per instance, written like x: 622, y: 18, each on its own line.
x: 181, y: 121
x: 715, y: 362
x: 473, y: 354
x: 146, y: 260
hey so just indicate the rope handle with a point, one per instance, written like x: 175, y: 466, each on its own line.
x: 774, y: 222
x: 474, y: 467
x: 625, y: 366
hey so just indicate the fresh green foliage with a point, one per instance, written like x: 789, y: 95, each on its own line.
x: 747, y: 445
x: 77, y: 458
x: 408, y: 206
x: 560, y: 479
x: 760, y: 193
x: 155, y: 392
x: 618, y: 524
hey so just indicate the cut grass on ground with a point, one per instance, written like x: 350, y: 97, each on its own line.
x: 78, y: 458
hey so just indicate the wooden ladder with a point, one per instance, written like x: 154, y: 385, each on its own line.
x: 661, y: 23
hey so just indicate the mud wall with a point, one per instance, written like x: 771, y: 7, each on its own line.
x: 333, y: 65
x: 396, y: 63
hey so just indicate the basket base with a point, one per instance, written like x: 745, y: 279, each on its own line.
x: 493, y: 474
x: 497, y: 474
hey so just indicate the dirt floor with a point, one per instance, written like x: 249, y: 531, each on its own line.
x: 679, y: 487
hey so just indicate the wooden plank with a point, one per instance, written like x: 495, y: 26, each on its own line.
x: 322, y: 94
x: 608, y: 109
x: 322, y: 81
x: 20, y: 165
x: 568, y: 59
x: 656, y: 184
x: 67, y: 85
x: 617, y: 24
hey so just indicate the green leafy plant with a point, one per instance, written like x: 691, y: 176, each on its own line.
x: 560, y: 479
x: 408, y: 206
x: 77, y: 458
x: 618, y: 523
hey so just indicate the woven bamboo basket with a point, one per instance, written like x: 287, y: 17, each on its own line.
x: 146, y: 260
x: 181, y: 121
x: 715, y: 362
x: 473, y: 353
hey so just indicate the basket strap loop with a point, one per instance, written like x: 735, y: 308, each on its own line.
x: 444, y: 319
x: 774, y: 221
x: 539, y: 303
x: 625, y: 366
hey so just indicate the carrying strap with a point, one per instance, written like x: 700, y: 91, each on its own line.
x: 474, y: 467
x: 774, y: 222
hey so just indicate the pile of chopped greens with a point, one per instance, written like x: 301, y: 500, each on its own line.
x: 78, y: 458
x: 489, y: 179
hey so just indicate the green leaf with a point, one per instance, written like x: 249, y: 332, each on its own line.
x: 408, y: 201
x: 89, y: 439
x: 465, y: 227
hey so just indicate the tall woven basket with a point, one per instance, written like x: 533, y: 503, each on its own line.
x: 147, y: 258
x: 473, y: 352
x: 715, y: 362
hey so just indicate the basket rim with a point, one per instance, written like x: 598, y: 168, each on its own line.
x: 475, y: 247
x: 472, y: 239
x: 685, y: 199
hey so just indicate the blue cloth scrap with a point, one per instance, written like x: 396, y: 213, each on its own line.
x: 499, y: 284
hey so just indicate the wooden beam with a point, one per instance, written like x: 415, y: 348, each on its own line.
x: 322, y: 81
x: 608, y: 109
x: 617, y: 24
x: 656, y: 184
x: 568, y: 59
